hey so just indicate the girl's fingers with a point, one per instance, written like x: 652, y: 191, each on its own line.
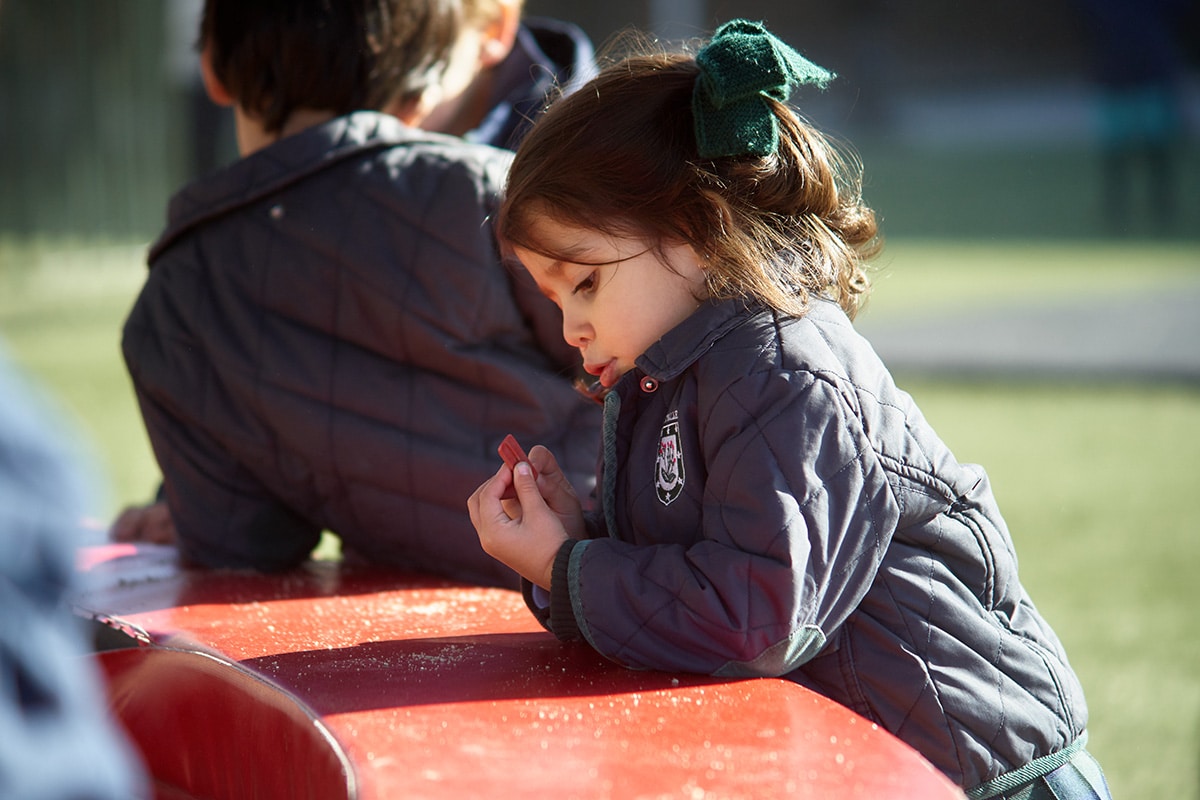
x: 485, y: 502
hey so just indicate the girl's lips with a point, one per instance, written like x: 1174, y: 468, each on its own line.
x: 606, y: 372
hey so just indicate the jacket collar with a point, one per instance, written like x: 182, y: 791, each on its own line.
x: 278, y: 165
x: 690, y: 339
x: 556, y: 55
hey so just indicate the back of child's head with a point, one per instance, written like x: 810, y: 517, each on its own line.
x: 622, y: 155
x: 276, y: 56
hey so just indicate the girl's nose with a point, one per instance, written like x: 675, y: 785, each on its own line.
x: 575, y: 329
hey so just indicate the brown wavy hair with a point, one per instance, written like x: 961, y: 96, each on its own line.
x: 619, y: 155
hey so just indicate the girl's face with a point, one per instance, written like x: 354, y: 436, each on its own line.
x: 618, y: 295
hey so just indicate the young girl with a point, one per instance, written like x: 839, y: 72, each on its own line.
x: 770, y: 503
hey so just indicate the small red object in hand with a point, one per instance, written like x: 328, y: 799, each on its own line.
x: 512, y: 453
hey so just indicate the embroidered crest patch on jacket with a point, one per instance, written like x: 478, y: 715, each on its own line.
x: 668, y: 470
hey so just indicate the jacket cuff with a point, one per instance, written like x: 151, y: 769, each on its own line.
x: 562, y: 613
x: 536, y: 601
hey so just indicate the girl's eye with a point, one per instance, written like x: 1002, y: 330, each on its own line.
x: 585, y: 285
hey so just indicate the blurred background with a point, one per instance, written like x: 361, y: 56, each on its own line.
x: 103, y: 115
x: 1035, y: 165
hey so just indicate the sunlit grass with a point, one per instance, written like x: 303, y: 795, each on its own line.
x: 1096, y: 480
x: 61, y: 311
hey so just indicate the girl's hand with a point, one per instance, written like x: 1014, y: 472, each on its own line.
x: 527, y: 534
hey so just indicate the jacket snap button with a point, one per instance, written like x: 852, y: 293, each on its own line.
x: 649, y: 384
x: 276, y: 212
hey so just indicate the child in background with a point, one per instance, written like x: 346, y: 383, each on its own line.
x: 327, y: 339
x: 501, y: 72
x: 515, y: 64
x: 771, y: 504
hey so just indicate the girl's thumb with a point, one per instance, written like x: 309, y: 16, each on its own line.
x: 524, y: 481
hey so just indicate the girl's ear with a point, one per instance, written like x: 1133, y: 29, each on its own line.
x: 212, y: 84
x: 500, y: 34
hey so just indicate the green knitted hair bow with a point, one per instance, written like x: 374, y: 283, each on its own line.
x: 740, y: 66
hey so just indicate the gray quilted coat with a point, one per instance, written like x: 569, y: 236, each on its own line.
x: 774, y: 505
x: 327, y: 340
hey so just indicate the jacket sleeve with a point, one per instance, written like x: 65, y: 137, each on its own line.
x: 796, y: 515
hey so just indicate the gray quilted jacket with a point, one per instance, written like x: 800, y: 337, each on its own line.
x: 327, y: 340
x: 774, y: 505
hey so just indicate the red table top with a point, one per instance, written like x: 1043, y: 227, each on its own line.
x: 424, y: 688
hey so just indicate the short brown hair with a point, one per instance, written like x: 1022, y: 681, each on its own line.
x: 620, y: 155
x: 274, y: 56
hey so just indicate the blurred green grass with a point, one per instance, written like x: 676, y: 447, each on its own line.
x: 62, y: 304
x: 1094, y: 478
x: 1021, y: 190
